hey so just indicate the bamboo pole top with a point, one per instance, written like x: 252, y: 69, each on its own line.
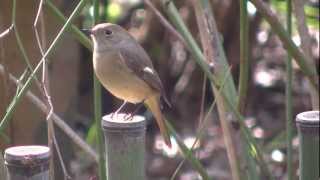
x: 23, y: 154
x: 308, y: 120
x: 123, y: 121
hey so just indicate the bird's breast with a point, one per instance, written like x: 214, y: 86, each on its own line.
x: 118, y: 79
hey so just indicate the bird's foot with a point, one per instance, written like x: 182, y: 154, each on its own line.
x: 114, y: 114
x: 128, y: 117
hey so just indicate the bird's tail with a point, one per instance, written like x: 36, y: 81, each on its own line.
x: 153, y: 103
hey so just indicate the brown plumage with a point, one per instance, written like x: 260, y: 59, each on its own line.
x: 124, y: 69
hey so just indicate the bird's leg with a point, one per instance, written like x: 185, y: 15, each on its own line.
x: 119, y: 109
x: 129, y: 116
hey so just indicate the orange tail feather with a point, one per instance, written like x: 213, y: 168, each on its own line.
x: 153, y: 103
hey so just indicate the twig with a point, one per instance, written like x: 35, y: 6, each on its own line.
x: 165, y: 22
x: 298, y: 8
x: 6, y: 32
x: 52, y: 142
x: 288, y: 94
x: 200, y: 129
x: 192, y: 45
x: 293, y: 50
x: 28, y: 83
x: 56, y: 145
x: 10, y: 108
x: 229, y: 93
x: 6, y: 87
x: 188, y: 153
x: 244, y: 56
x: 56, y: 119
x: 208, y: 36
x: 203, y: 98
x: 244, y: 62
x: 82, y: 38
x: 20, y: 44
x: 185, y: 77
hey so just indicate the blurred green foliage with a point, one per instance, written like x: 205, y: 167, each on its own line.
x: 311, y: 12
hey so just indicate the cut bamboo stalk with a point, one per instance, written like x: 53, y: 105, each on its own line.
x: 308, y: 125
x: 2, y: 167
x: 125, y: 146
x: 27, y: 162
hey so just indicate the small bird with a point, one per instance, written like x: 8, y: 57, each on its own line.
x: 126, y: 71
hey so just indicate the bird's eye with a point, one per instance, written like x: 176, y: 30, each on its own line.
x: 108, y: 32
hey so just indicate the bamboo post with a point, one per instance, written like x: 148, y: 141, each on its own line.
x: 308, y: 131
x: 2, y: 167
x: 27, y: 162
x: 125, y: 146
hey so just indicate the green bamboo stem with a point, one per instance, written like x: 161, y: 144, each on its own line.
x: 19, y: 42
x: 82, y: 38
x: 207, y: 31
x: 219, y: 76
x: 244, y: 55
x: 200, y: 130
x: 289, y: 116
x: 243, y: 81
x: 194, y: 48
x: 195, y: 163
x: 21, y: 47
x: 221, y: 66
x: 293, y: 50
x: 29, y: 81
x: 308, y: 125
x: 225, y: 126
x: 229, y: 88
x: 228, y: 93
x: 97, y: 106
x: 254, y: 149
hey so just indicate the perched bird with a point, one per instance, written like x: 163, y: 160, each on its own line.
x: 126, y: 71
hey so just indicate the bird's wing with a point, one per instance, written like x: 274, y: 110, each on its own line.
x: 135, y: 57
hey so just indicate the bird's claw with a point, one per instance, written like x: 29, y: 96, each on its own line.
x: 128, y: 117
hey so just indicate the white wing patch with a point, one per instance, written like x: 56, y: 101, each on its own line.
x: 148, y: 70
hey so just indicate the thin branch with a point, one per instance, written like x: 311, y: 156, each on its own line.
x: 6, y: 87
x: 188, y: 153
x: 301, y: 59
x: 56, y: 119
x: 6, y: 32
x: 200, y: 128
x: 63, y: 166
x: 244, y: 62
x: 28, y: 83
x: 229, y: 93
x: 298, y: 8
x: 203, y: 98
x: 20, y: 44
x: 288, y: 94
x: 35, y: 22
x: 208, y: 36
x: 165, y: 22
x: 82, y: 38
x: 244, y: 56
x: 52, y: 143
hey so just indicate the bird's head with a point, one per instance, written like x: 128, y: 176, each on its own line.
x: 106, y: 36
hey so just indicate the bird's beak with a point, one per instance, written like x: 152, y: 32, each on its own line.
x: 87, y: 32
